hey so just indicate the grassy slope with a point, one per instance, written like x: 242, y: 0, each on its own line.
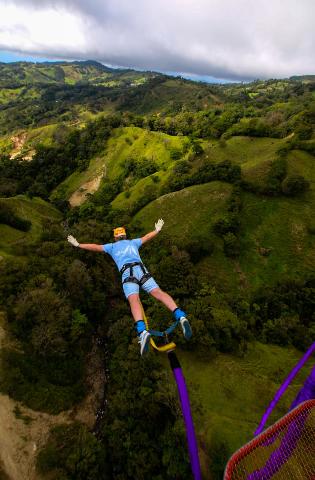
x: 190, y: 214
x: 6, y: 145
x: 172, y: 92
x: 125, y: 142
x: 265, y: 224
x: 280, y: 224
x: 8, y: 95
x: 246, y: 151
x: 266, y: 221
x: 155, y: 146
x: 136, y: 191
x: 34, y: 210
x: 152, y: 145
x: 29, y: 74
x: 197, y: 207
x: 41, y: 135
x: 254, y: 155
x: 72, y: 183
x: 234, y: 392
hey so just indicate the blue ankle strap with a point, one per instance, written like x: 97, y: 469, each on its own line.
x: 140, y: 326
x: 166, y: 332
x: 178, y: 313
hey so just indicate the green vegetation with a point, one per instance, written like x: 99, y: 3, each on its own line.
x: 96, y: 168
x: 230, y: 168
x: 200, y: 206
x: 30, y: 213
x: 19, y: 415
x: 6, y: 144
x: 72, y: 452
x: 8, y: 217
x: 232, y: 393
x: 264, y: 258
x: 132, y: 143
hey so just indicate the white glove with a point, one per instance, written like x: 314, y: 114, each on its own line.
x: 159, y: 224
x: 73, y: 241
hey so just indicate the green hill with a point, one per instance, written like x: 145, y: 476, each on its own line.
x: 125, y: 144
x: 233, y: 393
x: 264, y: 258
x: 36, y: 211
x: 27, y: 73
x: 230, y: 169
x: 199, y: 207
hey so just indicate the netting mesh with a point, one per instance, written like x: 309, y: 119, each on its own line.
x: 284, y: 451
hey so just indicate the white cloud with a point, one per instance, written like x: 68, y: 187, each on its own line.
x: 221, y: 38
x: 49, y: 30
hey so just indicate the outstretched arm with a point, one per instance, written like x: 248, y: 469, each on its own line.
x: 158, y: 226
x: 94, y: 247
x: 86, y: 246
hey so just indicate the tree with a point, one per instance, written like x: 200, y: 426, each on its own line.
x: 275, y: 176
x: 181, y: 167
x: 228, y: 223
x: 79, y: 283
x: 43, y: 317
x: 9, y: 217
x: 231, y: 245
x: 294, y: 185
x: 80, y: 325
x: 304, y: 131
x: 73, y: 453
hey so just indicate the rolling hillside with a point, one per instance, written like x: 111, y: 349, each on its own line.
x: 36, y: 211
x: 68, y: 73
x: 230, y: 169
x: 233, y: 393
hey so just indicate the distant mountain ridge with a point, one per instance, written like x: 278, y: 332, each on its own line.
x: 303, y: 77
x: 60, y: 72
x: 230, y: 168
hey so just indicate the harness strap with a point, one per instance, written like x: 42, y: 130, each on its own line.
x: 166, y: 332
x: 131, y: 265
x: 131, y: 278
x: 172, y: 327
x: 145, y: 278
x: 156, y: 333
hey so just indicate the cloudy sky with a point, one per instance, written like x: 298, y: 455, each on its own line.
x: 226, y: 39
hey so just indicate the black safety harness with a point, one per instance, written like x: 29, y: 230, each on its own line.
x: 145, y: 277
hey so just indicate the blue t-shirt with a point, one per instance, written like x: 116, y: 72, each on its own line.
x: 124, y: 251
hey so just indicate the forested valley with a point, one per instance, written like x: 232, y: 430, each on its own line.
x: 231, y: 170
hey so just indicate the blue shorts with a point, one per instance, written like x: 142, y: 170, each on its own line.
x: 131, y: 287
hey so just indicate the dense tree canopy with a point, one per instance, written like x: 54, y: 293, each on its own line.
x: 58, y: 300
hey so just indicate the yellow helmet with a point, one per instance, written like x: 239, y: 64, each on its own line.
x: 119, y: 231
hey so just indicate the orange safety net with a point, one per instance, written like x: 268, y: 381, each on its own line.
x: 285, y: 451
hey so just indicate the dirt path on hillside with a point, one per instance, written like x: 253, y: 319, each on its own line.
x: 79, y: 196
x: 19, y: 441
x: 18, y: 144
x: 24, y: 431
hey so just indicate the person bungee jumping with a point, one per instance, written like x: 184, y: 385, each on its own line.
x: 125, y: 254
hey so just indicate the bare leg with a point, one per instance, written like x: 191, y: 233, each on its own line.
x: 135, y: 306
x: 164, y: 297
x: 171, y: 305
